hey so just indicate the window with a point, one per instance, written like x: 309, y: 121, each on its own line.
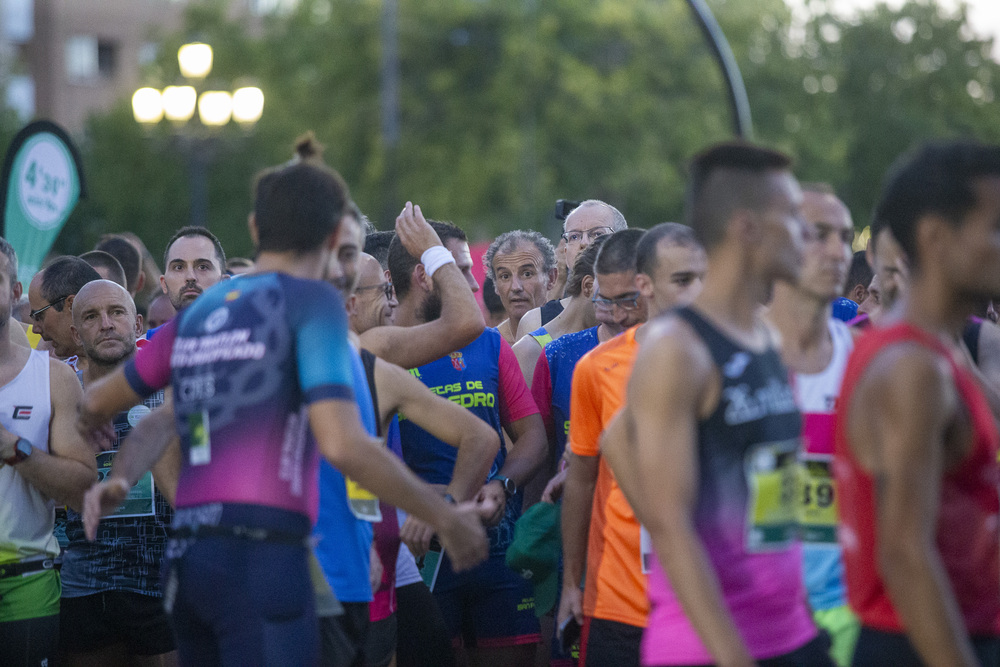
x: 89, y: 58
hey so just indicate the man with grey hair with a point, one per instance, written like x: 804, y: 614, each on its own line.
x: 590, y: 220
x: 522, y: 265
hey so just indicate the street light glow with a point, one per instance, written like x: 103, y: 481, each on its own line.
x: 147, y: 106
x: 195, y: 60
x: 215, y: 107
x: 248, y: 105
x: 179, y: 103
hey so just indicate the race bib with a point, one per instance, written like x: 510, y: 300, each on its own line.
x: 817, y: 500
x: 772, y: 480
x: 140, y: 500
x: 363, y: 503
x: 201, y: 445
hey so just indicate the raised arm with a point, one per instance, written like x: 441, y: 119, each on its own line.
x: 673, y: 375
x: 68, y: 469
x: 460, y: 323
x: 900, y: 415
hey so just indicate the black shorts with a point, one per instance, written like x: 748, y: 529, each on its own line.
x: 343, y: 638
x: 381, y: 642
x: 876, y: 647
x: 604, y: 642
x: 94, y: 622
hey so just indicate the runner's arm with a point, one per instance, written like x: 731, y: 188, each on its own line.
x: 461, y: 320
x: 531, y: 321
x: 900, y: 413
x: 67, y: 470
x: 672, y: 375
x: 519, y: 417
x: 344, y: 442
x: 527, y: 350
x: 476, y: 441
x: 578, y: 497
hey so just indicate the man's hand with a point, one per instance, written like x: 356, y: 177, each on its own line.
x: 414, y: 232
x: 8, y: 444
x: 416, y: 535
x: 463, y: 537
x: 492, y: 495
x: 102, y: 498
x: 553, y: 490
x: 570, y: 604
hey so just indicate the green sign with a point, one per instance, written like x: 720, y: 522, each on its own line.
x: 40, y: 185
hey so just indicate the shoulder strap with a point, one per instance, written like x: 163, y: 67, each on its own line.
x: 368, y: 361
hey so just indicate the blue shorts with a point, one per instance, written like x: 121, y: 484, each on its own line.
x: 237, y: 601
x: 487, y: 606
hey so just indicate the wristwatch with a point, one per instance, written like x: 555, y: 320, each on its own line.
x: 509, y: 487
x: 22, y: 450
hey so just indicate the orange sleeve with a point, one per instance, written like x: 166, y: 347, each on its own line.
x: 585, y: 409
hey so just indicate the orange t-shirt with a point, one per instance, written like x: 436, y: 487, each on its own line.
x: 615, y: 588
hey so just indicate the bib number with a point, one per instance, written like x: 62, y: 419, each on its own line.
x: 363, y: 503
x: 772, y: 481
x: 818, y: 502
x: 140, y: 500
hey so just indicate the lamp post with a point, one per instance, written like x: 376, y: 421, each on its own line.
x: 215, y: 108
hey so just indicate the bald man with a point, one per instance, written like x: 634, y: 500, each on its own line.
x: 111, y: 598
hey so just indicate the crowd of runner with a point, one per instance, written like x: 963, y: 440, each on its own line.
x: 731, y: 441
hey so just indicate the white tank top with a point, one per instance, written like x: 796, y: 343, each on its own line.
x: 817, y: 392
x: 26, y: 516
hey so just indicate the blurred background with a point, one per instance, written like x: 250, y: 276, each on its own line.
x: 483, y: 111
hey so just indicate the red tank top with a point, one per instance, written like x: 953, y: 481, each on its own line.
x: 967, y: 536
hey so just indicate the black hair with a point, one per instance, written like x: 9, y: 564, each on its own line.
x: 617, y: 255
x: 937, y: 178
x: 127, y: 255
x: 101, y: 259
x: 299, y: 206
x: 724, y: 178
x: 491, y: 299
x: 63, y: 277
x: 401, y: 263
x: 674, y: 233
x: 860, y: 272
x: 377, y: 245
x: 193, y: 230
x: 584, y: 266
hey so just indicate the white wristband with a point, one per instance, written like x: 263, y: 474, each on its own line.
x: 434, y: 258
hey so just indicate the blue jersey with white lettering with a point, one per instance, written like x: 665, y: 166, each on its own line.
x: 343, y: 546
x: 562, y: 355
x: 469, y: 377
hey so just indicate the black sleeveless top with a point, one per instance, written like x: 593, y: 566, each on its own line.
x: 549, y: 310
x: 368, y: 361
x: 747, y: 448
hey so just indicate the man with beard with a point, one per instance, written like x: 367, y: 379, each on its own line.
x: 111, y: 599
x: 489, y: 610
x: 194, y: 261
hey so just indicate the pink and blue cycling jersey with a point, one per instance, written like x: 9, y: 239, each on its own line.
x: 246, y: 360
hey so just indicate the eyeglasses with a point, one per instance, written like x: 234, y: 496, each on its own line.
x: 385, y: 287
x: 591, y: 234
x: 630, y: 302
x: 34, y: 314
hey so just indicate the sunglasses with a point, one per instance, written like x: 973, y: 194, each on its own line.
x: 386, y: 287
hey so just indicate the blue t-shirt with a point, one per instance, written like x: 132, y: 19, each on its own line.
x: 344, y: 542
x: 562, y: 355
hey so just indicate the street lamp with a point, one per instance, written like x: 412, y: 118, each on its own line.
x: 215, y: 108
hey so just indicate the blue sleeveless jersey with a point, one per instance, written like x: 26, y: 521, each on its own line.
x: 471, y: 378
x: 344, y: 542
x: 562, y: 355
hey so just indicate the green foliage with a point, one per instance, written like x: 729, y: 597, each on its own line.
x: 507, y: 106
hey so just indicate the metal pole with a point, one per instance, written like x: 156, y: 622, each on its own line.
x: 389, y: 103
x: 742, y: 123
